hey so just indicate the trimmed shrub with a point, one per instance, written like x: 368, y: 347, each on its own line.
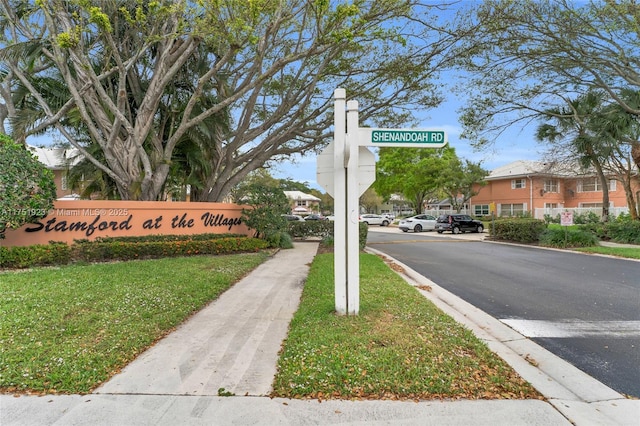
x: 324, y: 230
x: 523, y: 230
x: 36, y: 255
x: 122, y: 248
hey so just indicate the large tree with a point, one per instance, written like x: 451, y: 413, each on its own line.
x: 461, y: 180
x: 413, y: 172
x: 528, y: 56
x: 139, y: 76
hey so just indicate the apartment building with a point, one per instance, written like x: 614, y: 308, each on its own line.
x: 531, y: 186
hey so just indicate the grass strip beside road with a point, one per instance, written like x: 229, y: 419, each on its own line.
x: 625, y: 252
x: 68, y: 329
x: 400, y: 346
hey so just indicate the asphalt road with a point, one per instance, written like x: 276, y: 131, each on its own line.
x: 583, y: 308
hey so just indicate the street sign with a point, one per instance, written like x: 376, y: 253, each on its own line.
x: 366, y: 169
x: 566, y: 218
x: 345, y: 173
x: 405, y: 138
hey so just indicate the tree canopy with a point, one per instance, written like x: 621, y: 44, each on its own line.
x: 527, y: 57
x: 413, y: 172
x: 245, y: 83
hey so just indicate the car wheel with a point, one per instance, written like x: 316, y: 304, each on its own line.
x: 455, y: 230
x: 440, y: 232
x: 479, y: 229
x: 404, y: 230
x: 385, y: 223
x: 418, y: 228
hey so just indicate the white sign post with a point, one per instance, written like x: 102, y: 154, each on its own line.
x: 346, y: 168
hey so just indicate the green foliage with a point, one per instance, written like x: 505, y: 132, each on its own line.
x: 127, y: 248
x: 35, y: 255
x: 519, y: 230
x: 578, y: 218
x: 413, y: 172
x: 268, y: 205
x: 554, y: 237
x: 598, y: 229
x: 311, y: 228
x: 624, y: 231
x: 363, y: 232
x: 27, y: 188
x: 458, y: 180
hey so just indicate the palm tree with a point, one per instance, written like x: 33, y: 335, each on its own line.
x: 578, y: 122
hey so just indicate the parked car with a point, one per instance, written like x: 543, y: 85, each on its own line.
x: 293, y: 217
x: 374, y: 219
x: 418, y: 223
x: 457, y: 223
x: 315, y: 217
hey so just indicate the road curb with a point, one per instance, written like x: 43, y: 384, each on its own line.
x: 578, y: 396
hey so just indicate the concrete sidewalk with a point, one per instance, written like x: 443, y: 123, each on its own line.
x: 232, y: 346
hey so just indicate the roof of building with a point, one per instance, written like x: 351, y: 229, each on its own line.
x: 56, y: 158
x: 524, y: 168
x: 299, y: 195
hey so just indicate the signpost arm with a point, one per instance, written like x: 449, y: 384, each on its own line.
x: 353, y: 210
x: 340, y: 208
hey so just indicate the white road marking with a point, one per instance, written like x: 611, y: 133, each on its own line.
x: 574, y: 328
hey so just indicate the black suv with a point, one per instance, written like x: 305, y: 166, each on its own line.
x: 458, y: 223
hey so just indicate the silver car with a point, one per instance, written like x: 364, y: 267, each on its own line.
x: 418, y: 223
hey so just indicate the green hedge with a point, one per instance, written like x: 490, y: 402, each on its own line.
x: 127, y: 248
x: 523, y: 230
x: 324, y: 230
x: 310, y: 228
x: 35, y: 255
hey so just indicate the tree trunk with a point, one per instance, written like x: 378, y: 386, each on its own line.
x: 631, y: 202
x: 635, y: 153
x: 605, y: 190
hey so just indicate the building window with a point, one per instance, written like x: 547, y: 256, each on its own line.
x: 64, y: 183
x: 512, y: 209
x: 593, y: 184
x: 301, y: 203
x: 518, y: 184
x: 551, y: 205
x: 551, y: 185
x: 591, y: 205
x: 481, y: 209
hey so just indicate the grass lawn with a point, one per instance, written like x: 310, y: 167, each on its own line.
x: 68, y: 329
x: 400, y: 346
x: 630, y: 253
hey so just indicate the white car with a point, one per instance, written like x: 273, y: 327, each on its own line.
x: 418, y: 223
x: 375, y: 219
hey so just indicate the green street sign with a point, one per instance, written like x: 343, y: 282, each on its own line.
x: 413, y: 138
